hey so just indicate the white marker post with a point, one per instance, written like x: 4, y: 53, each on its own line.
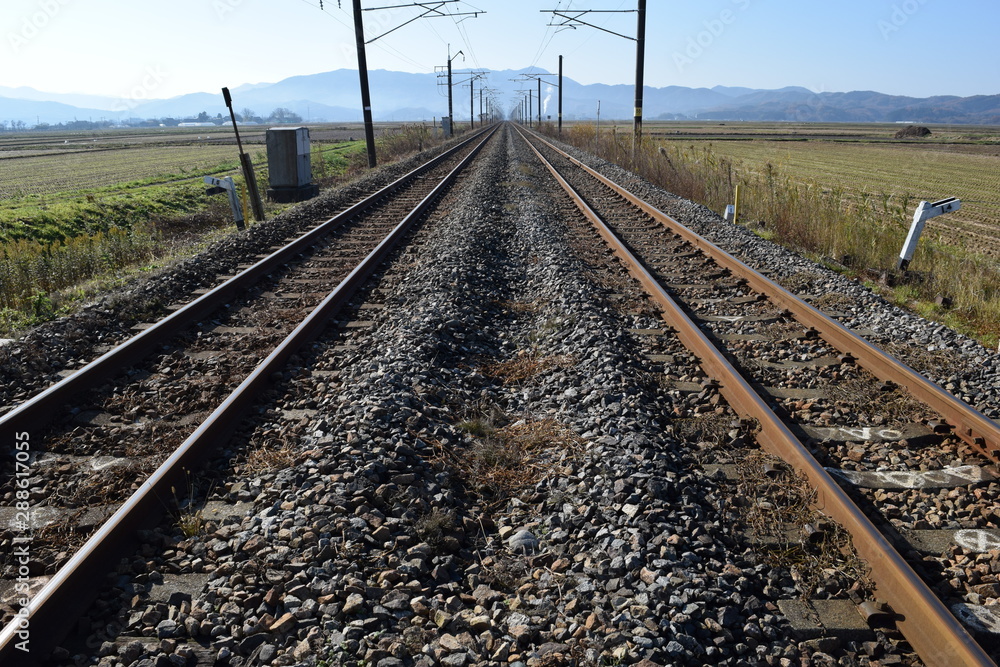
x: 925, y: 211
x: 220, y: 185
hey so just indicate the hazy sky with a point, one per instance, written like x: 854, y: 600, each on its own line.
x: 143, y: 49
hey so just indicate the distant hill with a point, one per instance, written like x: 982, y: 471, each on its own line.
x: 399, y: 96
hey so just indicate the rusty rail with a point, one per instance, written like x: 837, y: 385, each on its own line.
x: 969, y: 424
x: 58, y: 603
x: 937, y: 636
x: 39, y: 408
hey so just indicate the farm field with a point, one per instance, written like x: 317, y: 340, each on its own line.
x: 58, y: 164
x: 78, y: 206
x: 53, y: 185
x: 79, y: 210
x: 863, y: 160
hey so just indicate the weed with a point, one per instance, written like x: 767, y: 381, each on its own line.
x: 510, y: 457
x: 433, y: 527
x: 269, y: 457
x: 190, y: 519
x: 772, y: 506
x: 478, y: 428
x: 525, y: 365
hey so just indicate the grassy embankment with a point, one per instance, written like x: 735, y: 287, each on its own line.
x: 853, y: 229
x: 75, y: 222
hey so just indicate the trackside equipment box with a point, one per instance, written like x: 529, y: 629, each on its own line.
x: 289, y: 170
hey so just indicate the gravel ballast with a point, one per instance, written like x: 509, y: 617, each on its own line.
x: 492, y: 480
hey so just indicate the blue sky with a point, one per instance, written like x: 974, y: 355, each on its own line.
x: 158, y: 50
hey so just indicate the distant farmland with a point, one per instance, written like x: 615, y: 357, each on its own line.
x: 958, y: 161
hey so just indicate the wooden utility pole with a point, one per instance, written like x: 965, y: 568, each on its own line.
x: 249, y: 177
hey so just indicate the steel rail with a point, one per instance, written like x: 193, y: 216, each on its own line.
x: 937, y: 636
x: 39, y: 408
x: 62, y: 598
x: 971, y: 425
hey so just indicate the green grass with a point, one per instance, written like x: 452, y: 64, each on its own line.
x: 80, y: 212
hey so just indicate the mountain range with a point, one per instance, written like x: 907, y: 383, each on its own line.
x: 399, y: 96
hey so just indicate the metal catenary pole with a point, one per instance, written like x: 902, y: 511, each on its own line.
x: 560, y: 93
x: 366, y: 100
x: 539, y: 102
x: 640, y: 57
x: 571, y: 18
x: 451, y: 112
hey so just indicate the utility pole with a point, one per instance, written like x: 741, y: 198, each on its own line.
x: 560, y: 93
x: 430, y: 9
x: 573, y: 18
x: 539, y: 102
x: 473, y: 75
x: 640, y: 58
x: 538, y: 77
x: 526, y: 106
x: 366, y: 98
x: 451, y: 112
x: 256, y: 205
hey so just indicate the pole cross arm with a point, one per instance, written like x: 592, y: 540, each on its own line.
x: 574, y: 21
x: 432, y: 10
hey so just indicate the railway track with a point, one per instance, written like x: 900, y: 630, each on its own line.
x: 869, y: 434
x: 362, y: 511
x: 132, y: 426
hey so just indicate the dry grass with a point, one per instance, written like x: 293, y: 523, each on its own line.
x: 270, y: 457
x: 525, y: 365
x: 775, y: 504
x: 865, y: 395
x: 863, y: 230
x: 503, y: 460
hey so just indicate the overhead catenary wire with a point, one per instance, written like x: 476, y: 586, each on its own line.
x: 384, y: 47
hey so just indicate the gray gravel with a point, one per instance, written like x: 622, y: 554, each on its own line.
x: 377, y: 550
x: 390, y: 544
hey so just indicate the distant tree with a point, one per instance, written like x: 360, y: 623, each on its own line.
x: 247, y: 115
x: 202, y: 117
x: 283, y: 115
